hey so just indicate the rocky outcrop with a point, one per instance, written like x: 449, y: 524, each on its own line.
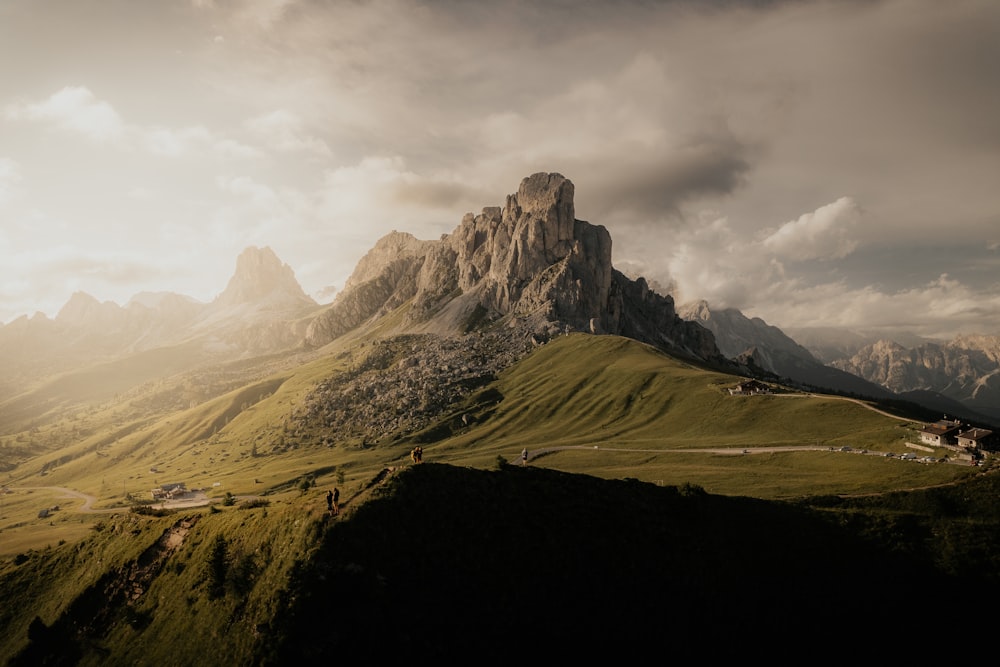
x: 530, y: 261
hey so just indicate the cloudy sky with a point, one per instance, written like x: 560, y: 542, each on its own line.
x: 810, y: 163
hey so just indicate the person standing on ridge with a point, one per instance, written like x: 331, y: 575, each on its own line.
x: 524, y: 456
x: 329, y: 501
x: 336, y: 501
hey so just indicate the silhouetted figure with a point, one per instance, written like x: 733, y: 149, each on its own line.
x: 417, y: 454
x: 524, y: 456
x: 336, y: 501
x: 329, y: 501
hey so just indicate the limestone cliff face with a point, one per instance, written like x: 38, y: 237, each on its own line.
x: 529, y: 261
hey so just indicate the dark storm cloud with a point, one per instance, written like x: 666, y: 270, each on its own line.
x: 654, y: 187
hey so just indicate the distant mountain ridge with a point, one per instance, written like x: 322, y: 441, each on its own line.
x: 965, y: 370
x: 752, y: 340
x: 259, y: 312
x: 529, y: 267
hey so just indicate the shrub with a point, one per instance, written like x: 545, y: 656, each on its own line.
x: 689, y: 489
x: 255, y: 502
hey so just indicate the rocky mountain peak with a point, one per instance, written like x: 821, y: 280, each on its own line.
x: 530, y: 261
x: 261, y: 279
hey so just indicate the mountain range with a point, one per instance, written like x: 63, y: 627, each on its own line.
x: 513, y: 332
x: 530, y: 264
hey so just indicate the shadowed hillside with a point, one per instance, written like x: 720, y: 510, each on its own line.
x: 459, y: 564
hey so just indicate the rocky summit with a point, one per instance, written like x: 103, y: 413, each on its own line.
x: 528, y: 264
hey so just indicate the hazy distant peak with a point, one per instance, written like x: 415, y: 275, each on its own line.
x: 262, y: 279
x: 155, y: 300
x: 82, y: 308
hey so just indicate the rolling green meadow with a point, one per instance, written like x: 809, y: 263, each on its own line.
x: 598, y: 408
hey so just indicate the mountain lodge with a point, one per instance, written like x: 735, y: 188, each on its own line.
x: 748, y: 388
x: 945, y: 432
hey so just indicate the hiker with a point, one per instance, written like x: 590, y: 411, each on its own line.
x: 524, y: 456
x: 335, y: 508
x: 417, y: 454
x: 329, y: 501
x: 420, y: 454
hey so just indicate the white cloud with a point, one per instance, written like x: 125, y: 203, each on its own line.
x: 171, y: 142
x: 10, y: 176
x: 76, y: 109
x: 282, y: 130
x: 822, y: 234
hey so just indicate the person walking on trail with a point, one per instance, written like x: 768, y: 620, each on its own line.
x: 329, y: 501
x: 524, y: 456
x: 336, y: 501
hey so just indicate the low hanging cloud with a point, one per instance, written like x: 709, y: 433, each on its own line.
x: 823, y: 234
x: 711, y: 259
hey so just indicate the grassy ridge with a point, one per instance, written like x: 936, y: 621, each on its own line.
x: 618, y: 395
x: 582, y: 390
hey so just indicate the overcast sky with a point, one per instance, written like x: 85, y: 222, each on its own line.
x: 810, y: 163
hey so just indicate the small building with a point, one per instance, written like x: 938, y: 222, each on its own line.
x: 940, y: 433
x: 749, y: 388
x: 976, y: 439
x: 169, y: 491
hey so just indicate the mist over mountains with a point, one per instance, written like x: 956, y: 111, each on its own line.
x: 529, y: 266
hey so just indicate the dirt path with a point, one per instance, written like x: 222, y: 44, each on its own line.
x: 535, y: 453
x: 197, y: 499
x: 88, y: 501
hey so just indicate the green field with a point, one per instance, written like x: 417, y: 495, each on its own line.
x: 598, y: 405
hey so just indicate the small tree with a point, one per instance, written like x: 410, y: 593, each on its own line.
x: 217, y: 567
